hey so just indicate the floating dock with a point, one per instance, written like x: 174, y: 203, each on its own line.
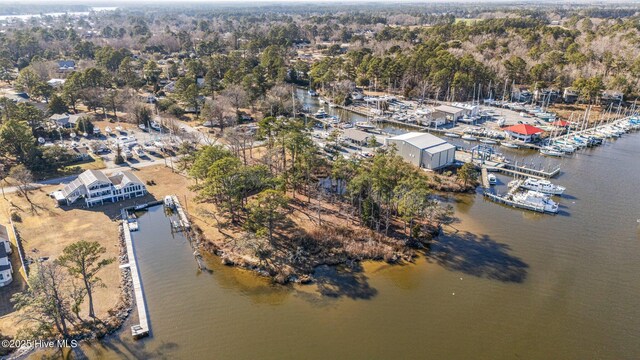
x: 142, y: 329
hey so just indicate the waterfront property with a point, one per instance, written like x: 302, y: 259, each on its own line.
x: 6, y: 270
x: 424, y: 150
x: 524, y: 132
x: 96, y: 188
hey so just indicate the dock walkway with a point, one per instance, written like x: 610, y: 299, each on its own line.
x: 142, y: 329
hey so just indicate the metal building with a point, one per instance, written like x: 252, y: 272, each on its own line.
x: 424, y: 150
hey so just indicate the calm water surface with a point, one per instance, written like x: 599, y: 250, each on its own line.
x: 502, y: 284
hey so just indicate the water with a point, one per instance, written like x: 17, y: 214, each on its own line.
x: 502, y: 284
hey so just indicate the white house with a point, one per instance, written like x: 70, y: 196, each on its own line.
x: 424, y: 150
x: 96, y: 188
x: 6, y: 270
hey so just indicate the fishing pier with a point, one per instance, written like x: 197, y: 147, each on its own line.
x: 142, y: 328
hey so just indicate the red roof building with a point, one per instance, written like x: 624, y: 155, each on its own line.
x: 560, y: 123
x: 524, y: 132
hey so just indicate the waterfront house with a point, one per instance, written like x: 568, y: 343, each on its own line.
x: 524, y: 132
x: 6, y: 270
x: 424, y: 150
x: 96, y: 188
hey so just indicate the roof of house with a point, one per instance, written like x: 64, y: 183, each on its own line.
x: 524, y: 129
x: 448, y: 109
x: 56, y: 117
x: 90, y: 176
x: 424, y: 141
x: 66, y: 64
x: 560, y: 123
x: 4, y: 235
x: 357, y: 135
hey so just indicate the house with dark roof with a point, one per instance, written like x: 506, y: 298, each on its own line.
x: 6, y: 270
x: 96, y: 188
x: 66, y: 65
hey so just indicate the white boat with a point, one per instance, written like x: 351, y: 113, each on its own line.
x: 451, y: 135
x: 488, y: 141
x: 127, y: 153
x: 510, y: 145
x: 107, y: 130
x: 168, y: 201
x: 119, y: 128
x: 536, y: 200
x: 142, y: 127
x: 320, y: 114
x: 155, y: 126
x: 542, y: 186
x: 469, y: 137
x: 346, y: 126
x: 492, y: 179
x: 364, y: 125
x: 551, y: 152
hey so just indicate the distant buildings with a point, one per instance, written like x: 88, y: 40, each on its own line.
x: 66, y: 65
x: 96, y: 188
x: 65, y: 120
x: 424, y: 150
x: 6, y: 271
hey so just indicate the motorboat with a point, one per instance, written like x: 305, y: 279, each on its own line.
x: 127, y: 154
x: 142, y: 127
x: 551, y: 151
x: 510, y: 145
x: 543, y: 186
x: 364, y: 125
x: 537, y: 200
x: 107, y: 130
x: 320, y: 114
x: 493, y: 180
x: 119, y: 128
x: 451, y: 135
x: 488, y: 141
x: 469, y: 137
x: 155, y: 126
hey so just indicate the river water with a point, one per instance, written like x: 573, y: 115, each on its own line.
x: 501, y: 284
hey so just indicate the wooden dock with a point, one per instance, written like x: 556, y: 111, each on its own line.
x: 522, y: 171
x: 142, y: 328
x: 485, y: 178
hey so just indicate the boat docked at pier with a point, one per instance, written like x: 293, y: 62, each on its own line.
x: 536, y: 201
x: 543, y: 186
x: 365, y: 125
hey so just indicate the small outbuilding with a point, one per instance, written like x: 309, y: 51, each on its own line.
x: 424, y: 150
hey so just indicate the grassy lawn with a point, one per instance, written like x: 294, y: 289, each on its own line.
x: 93, y: 163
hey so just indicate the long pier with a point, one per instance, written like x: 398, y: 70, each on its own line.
x: 142, y: 329
x: 521, y: 171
